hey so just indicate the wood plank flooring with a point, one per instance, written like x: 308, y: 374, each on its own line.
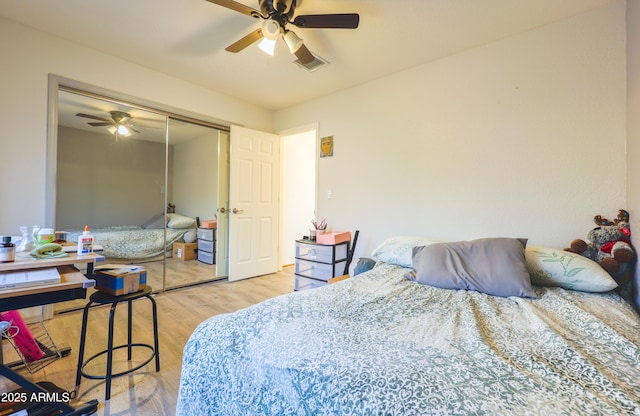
x: 178, y: 273
x: 145, y: 392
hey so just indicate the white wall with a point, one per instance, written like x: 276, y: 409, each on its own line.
x: 195, y: 176
x: 524, y: 137
x: 28, y: 57
x: 101, y: 182
x: 633, y: 125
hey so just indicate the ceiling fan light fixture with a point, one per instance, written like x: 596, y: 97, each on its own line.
x: 268, y: 46
x: 293, y: 41
x: 120, y: 130
x: 270, y: 29
x: 123, y: 130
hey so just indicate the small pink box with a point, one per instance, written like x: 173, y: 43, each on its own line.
x: 208, y: 224
x: 333, y: 237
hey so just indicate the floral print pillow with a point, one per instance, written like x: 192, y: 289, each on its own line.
x: 552, y: 267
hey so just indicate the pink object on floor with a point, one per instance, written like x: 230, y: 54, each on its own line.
x: 23, y: 339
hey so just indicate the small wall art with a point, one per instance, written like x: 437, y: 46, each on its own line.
x: 326, y: 146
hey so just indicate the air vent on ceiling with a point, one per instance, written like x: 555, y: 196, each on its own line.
x: 312, y: 66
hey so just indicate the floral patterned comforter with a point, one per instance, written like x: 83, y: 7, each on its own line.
x: 132, y: 242
x: 378, y: 344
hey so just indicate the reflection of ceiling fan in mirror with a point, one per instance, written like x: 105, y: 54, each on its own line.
x: 276, y: 14
x: 119, y: 123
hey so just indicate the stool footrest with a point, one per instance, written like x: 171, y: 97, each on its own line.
x: 130, y: 370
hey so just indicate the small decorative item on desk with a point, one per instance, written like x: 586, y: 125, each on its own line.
x: 318, y: 228
x: 48, y: 251
x: 7, y: 250
x: 29, y: 234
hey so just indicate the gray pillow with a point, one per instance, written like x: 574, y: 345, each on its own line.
x: 495, y: 266
x: 155, y: 222
x: 364, y: 264
x: 190, y: 236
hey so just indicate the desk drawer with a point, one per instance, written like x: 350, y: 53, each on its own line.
x: 321, y: 253
x: 303, y: 283
x: 205, y: 245
x: 319, y: 270
x: 206, y: 257
x: 206, y: 234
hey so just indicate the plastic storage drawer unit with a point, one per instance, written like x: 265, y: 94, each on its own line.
x: 317, y: 263
x: 207, y: 245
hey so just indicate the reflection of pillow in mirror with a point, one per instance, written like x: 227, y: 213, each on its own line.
x: 190, y: 236
x: 398, y: 250
x: 155, y: 222
x: 180, y: 221
x: 495, y: 266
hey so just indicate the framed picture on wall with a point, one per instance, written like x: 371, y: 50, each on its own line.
x: 326, y: 146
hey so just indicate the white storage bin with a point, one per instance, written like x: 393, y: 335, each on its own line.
x: 205, y: 256
x: 318, y: 270
x: 205, y: 234
x: 320, y: 253
x: 205, y: 245
x: 303, y: 283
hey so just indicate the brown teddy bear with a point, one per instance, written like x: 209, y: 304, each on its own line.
x: 609, y: 245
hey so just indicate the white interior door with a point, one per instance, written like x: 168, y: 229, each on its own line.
x: 253, y: 203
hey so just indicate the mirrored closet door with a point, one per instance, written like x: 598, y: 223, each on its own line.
x: 192, y: 188
x: 142, y: 181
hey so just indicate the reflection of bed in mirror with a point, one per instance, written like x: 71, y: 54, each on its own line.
x: 135, y: 242
x: 114, y: 184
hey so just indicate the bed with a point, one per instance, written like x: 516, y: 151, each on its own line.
x: 136, y: 242
x: 385, y: 342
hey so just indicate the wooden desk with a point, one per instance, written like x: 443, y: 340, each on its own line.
x: 73, y: 285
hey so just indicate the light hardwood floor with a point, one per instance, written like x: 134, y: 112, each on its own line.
x: 145, y: 392
x: 178, y: 273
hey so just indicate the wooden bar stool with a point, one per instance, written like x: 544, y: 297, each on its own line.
x: 101, y: 298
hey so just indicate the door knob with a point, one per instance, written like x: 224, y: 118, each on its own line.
x: 237, y: 211
x: 222, y: 210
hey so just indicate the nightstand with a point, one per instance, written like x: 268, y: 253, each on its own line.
x: 317, y: 263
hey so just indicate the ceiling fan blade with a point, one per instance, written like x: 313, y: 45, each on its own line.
x: 328, y: 21
x: 132, y: 129
x: 100, y: 124
x: 93, y: 117
x: 235, y: 6
x: 304, y: 55
x: 252, y: 37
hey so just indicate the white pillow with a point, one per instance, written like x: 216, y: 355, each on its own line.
x: 552, y: 267
x: 180, y: 221
x: 399, y: 250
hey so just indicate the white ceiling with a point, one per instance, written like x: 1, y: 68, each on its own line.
x: 186, y: 38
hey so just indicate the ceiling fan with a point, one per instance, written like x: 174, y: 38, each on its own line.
x: 118, y: 124
x: 276, y: 14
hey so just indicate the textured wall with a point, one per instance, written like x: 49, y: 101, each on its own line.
x: 524, y: 137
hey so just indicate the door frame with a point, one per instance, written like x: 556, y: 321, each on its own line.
x: 287, y: 240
